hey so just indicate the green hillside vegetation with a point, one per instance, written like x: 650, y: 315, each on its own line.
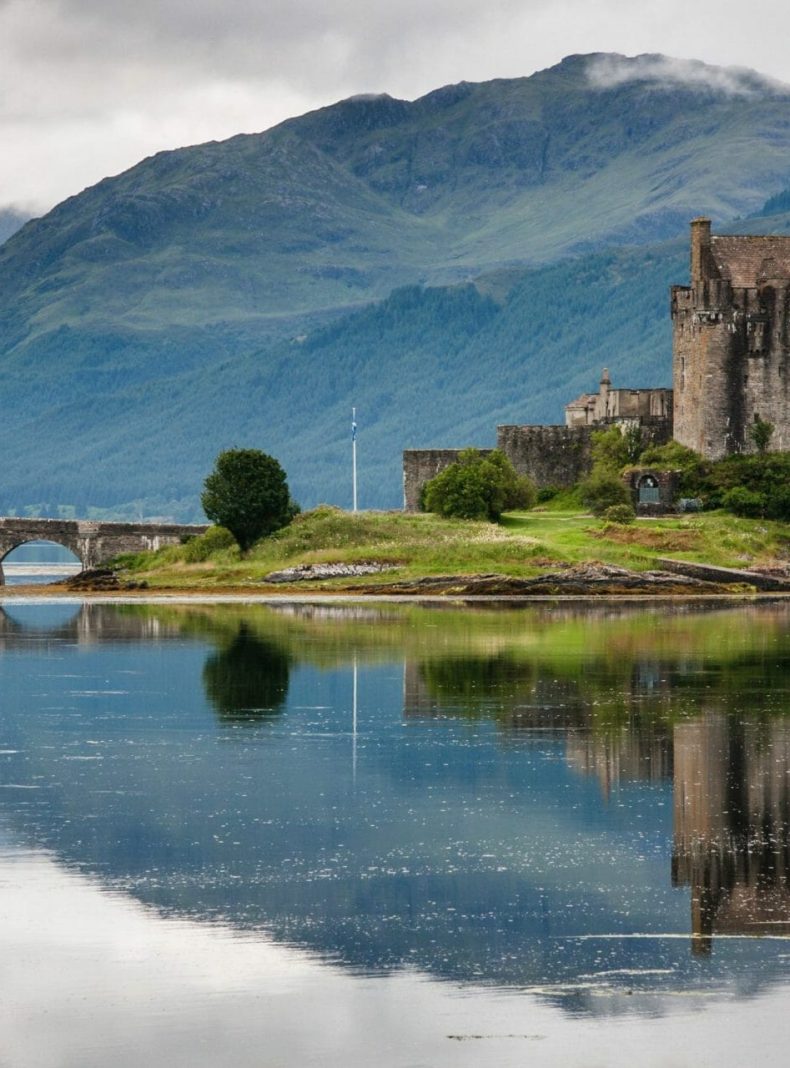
x: 511, y: 349
x: 525, y: 544
x: 470, y: 258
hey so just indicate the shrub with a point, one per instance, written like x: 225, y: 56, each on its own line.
x: 621, y: 514
x: 203, y: 547
x: 602, y: 490
x: 767, y: 474
x: 672, y: 456
x: 609, y: 450
x: 744, y: 502
x: 478, y: 487
x: 547, y: 493
x: 778, y: 506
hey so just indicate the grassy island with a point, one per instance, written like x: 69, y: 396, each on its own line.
x: 413, y: 546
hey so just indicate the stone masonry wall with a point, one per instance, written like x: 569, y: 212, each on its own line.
x: 550, y: 455
x: 419, y: 467
x: 731, y: 342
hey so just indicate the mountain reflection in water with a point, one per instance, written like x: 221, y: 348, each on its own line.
x: 577, y: 801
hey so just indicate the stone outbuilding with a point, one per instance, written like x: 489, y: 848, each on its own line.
x: 652, y: 492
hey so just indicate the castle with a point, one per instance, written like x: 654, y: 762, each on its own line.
x: 730, y: 356
x: 731, y: 343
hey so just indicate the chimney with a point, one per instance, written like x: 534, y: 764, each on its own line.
x: 602, y: 407
x: 700, y: 249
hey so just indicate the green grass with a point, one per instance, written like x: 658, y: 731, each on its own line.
x: 524, y: 544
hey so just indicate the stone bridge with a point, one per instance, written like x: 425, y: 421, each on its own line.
x: 93, y: 543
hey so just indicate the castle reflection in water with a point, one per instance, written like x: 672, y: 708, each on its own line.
x: 731, y: 792
x: 727, y: 758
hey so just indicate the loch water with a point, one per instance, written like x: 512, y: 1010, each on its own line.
x: 343, y: 834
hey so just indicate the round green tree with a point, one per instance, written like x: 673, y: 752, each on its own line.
x: 247, y: 493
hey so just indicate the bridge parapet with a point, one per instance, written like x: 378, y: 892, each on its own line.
x: 93, y: 542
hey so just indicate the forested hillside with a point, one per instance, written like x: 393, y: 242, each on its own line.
x: 426, y: 366
x: 469, y: 258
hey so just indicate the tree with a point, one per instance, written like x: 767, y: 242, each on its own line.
x: 247, y: 493
x: 615, y: 447
x: 247, y: 681
x: 478, y: 486
x: 602, y: 490
x: 609, y: 450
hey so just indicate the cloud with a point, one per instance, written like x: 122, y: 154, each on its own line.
x: 609, y: 71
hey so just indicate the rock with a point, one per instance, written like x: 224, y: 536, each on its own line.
x: 99, y: 579
x: 305, y: 572
x: 578, y: 580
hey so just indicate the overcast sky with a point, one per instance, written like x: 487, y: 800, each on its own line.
x: 89, y: 87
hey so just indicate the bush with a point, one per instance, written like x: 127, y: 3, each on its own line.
x: 204, y: 546
x: 767, y: 475
x: 602, y: 490
x: 247, y: 493
x: 744, y: 502
x: 778, y: 506
x: 609, y: 450
x: 478, y: 487
x: 673, y: 456
x: 547, y: 493
x: 621, y: 514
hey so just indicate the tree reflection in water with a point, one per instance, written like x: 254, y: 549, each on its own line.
x: 247, y: 681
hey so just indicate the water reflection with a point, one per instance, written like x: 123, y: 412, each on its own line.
x: 566, y: 801
x: 247, y: 680
x: 731, y: 844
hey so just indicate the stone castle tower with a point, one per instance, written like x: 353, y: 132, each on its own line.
x: 731, y: 346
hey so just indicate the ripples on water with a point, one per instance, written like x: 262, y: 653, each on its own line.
x: 536, y: 836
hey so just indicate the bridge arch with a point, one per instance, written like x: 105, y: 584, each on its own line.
x: 93, y: 543
x: 41, y: 559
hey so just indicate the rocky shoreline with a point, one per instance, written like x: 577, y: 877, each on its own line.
x: 580, y: 580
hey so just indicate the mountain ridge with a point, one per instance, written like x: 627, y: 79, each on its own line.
x: 203, y: 264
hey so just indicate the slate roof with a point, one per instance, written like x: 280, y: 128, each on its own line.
x: 584, y: 401
x: 745, y: 260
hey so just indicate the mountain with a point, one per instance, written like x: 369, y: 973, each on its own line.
x: 444, y: 264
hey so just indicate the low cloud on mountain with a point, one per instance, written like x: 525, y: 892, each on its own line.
x: 89, y: 87
x: 608, y: 71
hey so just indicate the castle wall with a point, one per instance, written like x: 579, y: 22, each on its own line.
x: 731, y: 342
x: 561, y: 455
x: 420, y: 466
x: 705, y: 366
x: 551, y: 455
x: 766, y: 366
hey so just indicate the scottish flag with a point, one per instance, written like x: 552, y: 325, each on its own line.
x: 354, y: 426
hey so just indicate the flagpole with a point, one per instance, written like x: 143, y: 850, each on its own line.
x: 354, y: 455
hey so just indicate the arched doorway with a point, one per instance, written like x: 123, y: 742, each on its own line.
x: 37, y: 562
